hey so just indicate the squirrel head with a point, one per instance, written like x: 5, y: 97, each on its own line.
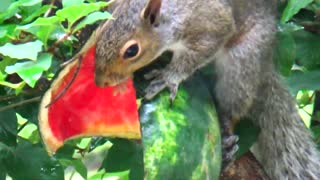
x: 128, y: 42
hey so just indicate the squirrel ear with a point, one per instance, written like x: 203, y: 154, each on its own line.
x: 151, y: 13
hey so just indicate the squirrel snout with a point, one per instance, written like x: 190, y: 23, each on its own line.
x: 100, y: 82
x: 110, y: 79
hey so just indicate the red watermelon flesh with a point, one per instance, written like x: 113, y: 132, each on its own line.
x: 84, y: 109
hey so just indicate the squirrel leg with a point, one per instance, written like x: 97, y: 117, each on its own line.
x: 229, y: 139
x: 235, y: 91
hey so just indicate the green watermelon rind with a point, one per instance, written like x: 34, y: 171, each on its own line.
x: 181, y: 140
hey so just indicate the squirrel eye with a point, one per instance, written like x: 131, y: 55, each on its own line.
x: 131, y: 51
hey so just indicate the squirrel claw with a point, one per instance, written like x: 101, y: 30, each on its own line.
x: 154, y: 88
x: 159, y: 84
x: 173, y: 92
x: 230, y: 141
x: 230, y: 148
x: 152, y: 74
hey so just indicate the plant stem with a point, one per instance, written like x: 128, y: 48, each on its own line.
x: 20, y: 103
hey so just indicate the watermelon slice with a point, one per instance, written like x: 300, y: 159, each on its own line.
x: 83, y: 109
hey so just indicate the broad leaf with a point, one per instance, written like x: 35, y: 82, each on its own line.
x: 248, y: 134
x: 308, y: 45
x: 4, y: 5
x: 32, y: 162
x: 80, y: 168
x: 29, y: 2
x: 31, y: 71
x: 8, y: 127
x: 77, y: 164
x: 120, y: 156
x: 11, y: 11
x: 293, y: 8
x: 74, y: 13
x: 37, y: 13
x: 43, y: 28
x: 306, y: 81
x: 92, y: 18
x: 285, y: 52
x: 67, y: 3
x: 28, y: 50
x: 6, y: 31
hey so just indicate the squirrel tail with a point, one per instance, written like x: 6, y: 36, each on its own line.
x: 285, y: 146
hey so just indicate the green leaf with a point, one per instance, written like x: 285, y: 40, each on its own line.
x: 30, y: 132
x: 124, y: 175
x: 77, y: 164
x: 293, y: 8
x: 8, y: 127
x: 307, y: 52
x: 80, y: 168
x: 303, y: 81
x: 92, y: 18
x: 67, y: 3
x: 29, y: 2
x: 7, y: 31
x: 43, y: 28
x: 11, y: 11
x: 2, y: 76
x: 248, y: 134
x: 285, y: 53
x: 31, y: 71
x: 28, y: 50
x: 120, y: 156
x: 4, y: 5
x: 74, y: 13
x: 36, y: 13
x: 32, y: 162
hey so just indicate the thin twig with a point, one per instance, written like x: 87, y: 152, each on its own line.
x: 50, y: 9
x: 8, y: 97
x: 60, y: 40
x: 20, y: 103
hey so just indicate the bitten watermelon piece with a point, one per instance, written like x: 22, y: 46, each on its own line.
x: 84, y: 109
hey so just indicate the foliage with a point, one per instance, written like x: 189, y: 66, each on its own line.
x: 36, y: 38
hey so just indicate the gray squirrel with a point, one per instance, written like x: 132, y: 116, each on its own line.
x: 237, y: 37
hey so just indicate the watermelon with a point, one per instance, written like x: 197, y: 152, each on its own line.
x: 75, y: 107
x: 181, y: 140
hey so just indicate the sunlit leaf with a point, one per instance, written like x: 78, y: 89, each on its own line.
x: 293, y: 8
x: 67, y: 3
x: 7, y: 31
x: 11, y: 11
x: 80, y: 168
x: 28, y: 50
x: 36, y: 13
x: 4, y: 5
x: 30, y: 71
x: 92, y: 18
x: 43, y: 27
x: 29, y: 2
x: 74, y: 13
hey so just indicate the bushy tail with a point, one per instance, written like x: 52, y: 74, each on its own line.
x: 285, y: 147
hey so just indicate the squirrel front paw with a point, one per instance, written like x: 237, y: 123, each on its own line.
x: 229, y: 148
x: 161, y: 80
